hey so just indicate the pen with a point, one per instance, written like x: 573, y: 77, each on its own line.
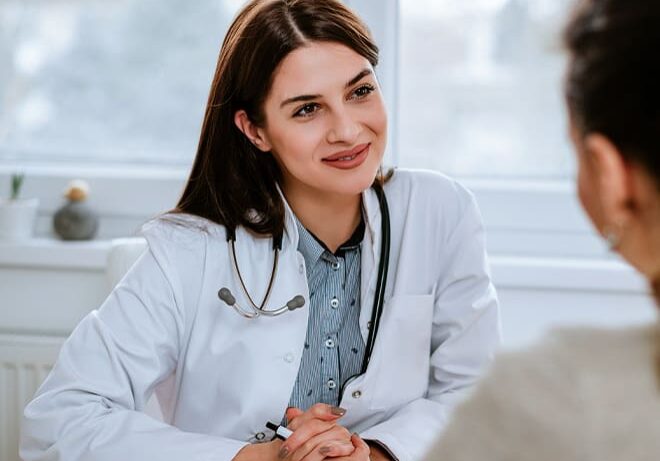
x: 281, y: 432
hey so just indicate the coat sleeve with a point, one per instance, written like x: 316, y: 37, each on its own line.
x: 465, y: 336
x: 90, y: 406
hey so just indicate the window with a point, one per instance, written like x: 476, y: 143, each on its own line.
x: 93, y: 81
x: 480, y: 86
x: 473, y: 88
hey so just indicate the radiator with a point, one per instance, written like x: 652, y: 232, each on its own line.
x: 24, y: 363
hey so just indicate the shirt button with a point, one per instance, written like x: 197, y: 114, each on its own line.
x: 331, y: 384
x: 329, y: 343
x: 335, y: 265
x: 334, y: 303
x: 260, y: 436
x: 357, y: 394
x: 288, y: 358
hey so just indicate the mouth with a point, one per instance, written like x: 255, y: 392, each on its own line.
x: 347, y: 155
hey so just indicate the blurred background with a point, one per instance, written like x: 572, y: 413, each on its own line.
x: 477, y: 83
x: 113, y: 93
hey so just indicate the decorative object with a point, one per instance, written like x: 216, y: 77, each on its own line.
x: 76, y: 220
x: 17, y: 215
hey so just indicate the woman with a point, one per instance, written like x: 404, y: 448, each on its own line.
x: 591, y: 394
x: 279, y: 215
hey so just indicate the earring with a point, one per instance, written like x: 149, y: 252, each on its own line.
x: 613, y: 235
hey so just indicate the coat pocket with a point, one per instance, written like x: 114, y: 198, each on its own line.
x: 402, y: 352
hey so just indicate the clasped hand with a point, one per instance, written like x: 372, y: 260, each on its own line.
x: 316, y: 436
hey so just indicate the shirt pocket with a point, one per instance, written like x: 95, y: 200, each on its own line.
x: 402, y: 352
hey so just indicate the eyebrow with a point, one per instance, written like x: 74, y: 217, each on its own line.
x: 311, y: 97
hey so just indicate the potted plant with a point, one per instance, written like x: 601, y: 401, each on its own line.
x: 17, y: 215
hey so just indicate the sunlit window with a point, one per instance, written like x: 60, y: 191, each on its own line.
x: 120, y: 81
x: 479, y: 82
x: 480, y: 88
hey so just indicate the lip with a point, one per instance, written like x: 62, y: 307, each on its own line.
x: 349, y: 158
x: 347, y: 153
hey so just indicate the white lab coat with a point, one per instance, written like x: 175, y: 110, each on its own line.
x: 220, y: 377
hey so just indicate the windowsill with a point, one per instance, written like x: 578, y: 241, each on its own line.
x: 51, y: 253
x: 531, y: 273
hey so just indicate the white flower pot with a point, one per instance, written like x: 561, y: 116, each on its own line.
x: 17, y: 218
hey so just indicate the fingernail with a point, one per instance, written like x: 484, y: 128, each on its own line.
x: 283, y: 453
x: 325, y: 450
x: 337, y: 411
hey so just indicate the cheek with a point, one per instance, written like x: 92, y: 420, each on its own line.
x: 378, y: 119
x: 292, y: 142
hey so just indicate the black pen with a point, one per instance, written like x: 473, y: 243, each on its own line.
x: 281, y: 432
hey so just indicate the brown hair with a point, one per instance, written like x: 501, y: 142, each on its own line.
x: 233, y: 183
x: 613, y: 78
x: 613, y: 81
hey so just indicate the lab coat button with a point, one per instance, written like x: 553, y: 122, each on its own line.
x: 288, y: 358
x: 260, y: 436
x: 334, y: 303
x: 356, y: 394
x: 301, y: 268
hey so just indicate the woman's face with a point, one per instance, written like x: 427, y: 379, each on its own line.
x: 325, y: 121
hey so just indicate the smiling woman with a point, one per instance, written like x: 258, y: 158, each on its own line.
x: 326, y: 126
x: 388, y: 311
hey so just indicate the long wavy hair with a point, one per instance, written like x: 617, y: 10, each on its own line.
x: 231, y: 182
x: 613, y: 81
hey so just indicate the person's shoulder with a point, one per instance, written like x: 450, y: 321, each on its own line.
x: 179, y: 228
x: 579, y: 355
x: 433, y: 191
x: 426, y: 182
x: 178, y: 236
x: 599, y: 351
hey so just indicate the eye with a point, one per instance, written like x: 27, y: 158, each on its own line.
x: 363, y: 91
x: 306, y: 110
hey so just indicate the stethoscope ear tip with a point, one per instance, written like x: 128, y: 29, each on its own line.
x: 296, y: 302
x: 225, y: 295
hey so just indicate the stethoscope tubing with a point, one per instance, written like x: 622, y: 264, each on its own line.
x: 379, y: 294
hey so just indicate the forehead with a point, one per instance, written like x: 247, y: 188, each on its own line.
x: 315, y: 69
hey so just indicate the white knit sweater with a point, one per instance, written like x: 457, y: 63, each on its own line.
x: 580, y: 395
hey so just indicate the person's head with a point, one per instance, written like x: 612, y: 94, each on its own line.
x: 613, y: 96
x: 293, y: 90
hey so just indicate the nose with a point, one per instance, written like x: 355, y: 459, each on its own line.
x: 344, y: 128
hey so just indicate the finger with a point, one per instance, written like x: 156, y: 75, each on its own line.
x: 336, y: 449
x: 302, y: 435
x: 321, y: 411
x: 361, y: 452
x: 292, y: 413
x: 322, y: 442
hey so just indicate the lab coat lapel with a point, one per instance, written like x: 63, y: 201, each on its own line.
x: 370, y: 257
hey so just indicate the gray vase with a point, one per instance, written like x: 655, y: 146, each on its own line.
x: 76, y: 221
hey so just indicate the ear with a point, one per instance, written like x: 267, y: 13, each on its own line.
x: 612, y: 179
x: 254, y: 134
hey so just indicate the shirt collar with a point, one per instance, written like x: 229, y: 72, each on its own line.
x: 312, y: 248
x: 371, y: 216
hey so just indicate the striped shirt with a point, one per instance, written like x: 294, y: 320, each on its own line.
x: 334, y: 347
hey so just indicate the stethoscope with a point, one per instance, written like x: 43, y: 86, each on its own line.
x: 298, y: 301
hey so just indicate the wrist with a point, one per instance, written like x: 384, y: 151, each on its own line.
x: 259, y: 451
x: 377, y: 452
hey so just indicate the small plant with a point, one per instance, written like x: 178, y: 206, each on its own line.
x: 16, y: 185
